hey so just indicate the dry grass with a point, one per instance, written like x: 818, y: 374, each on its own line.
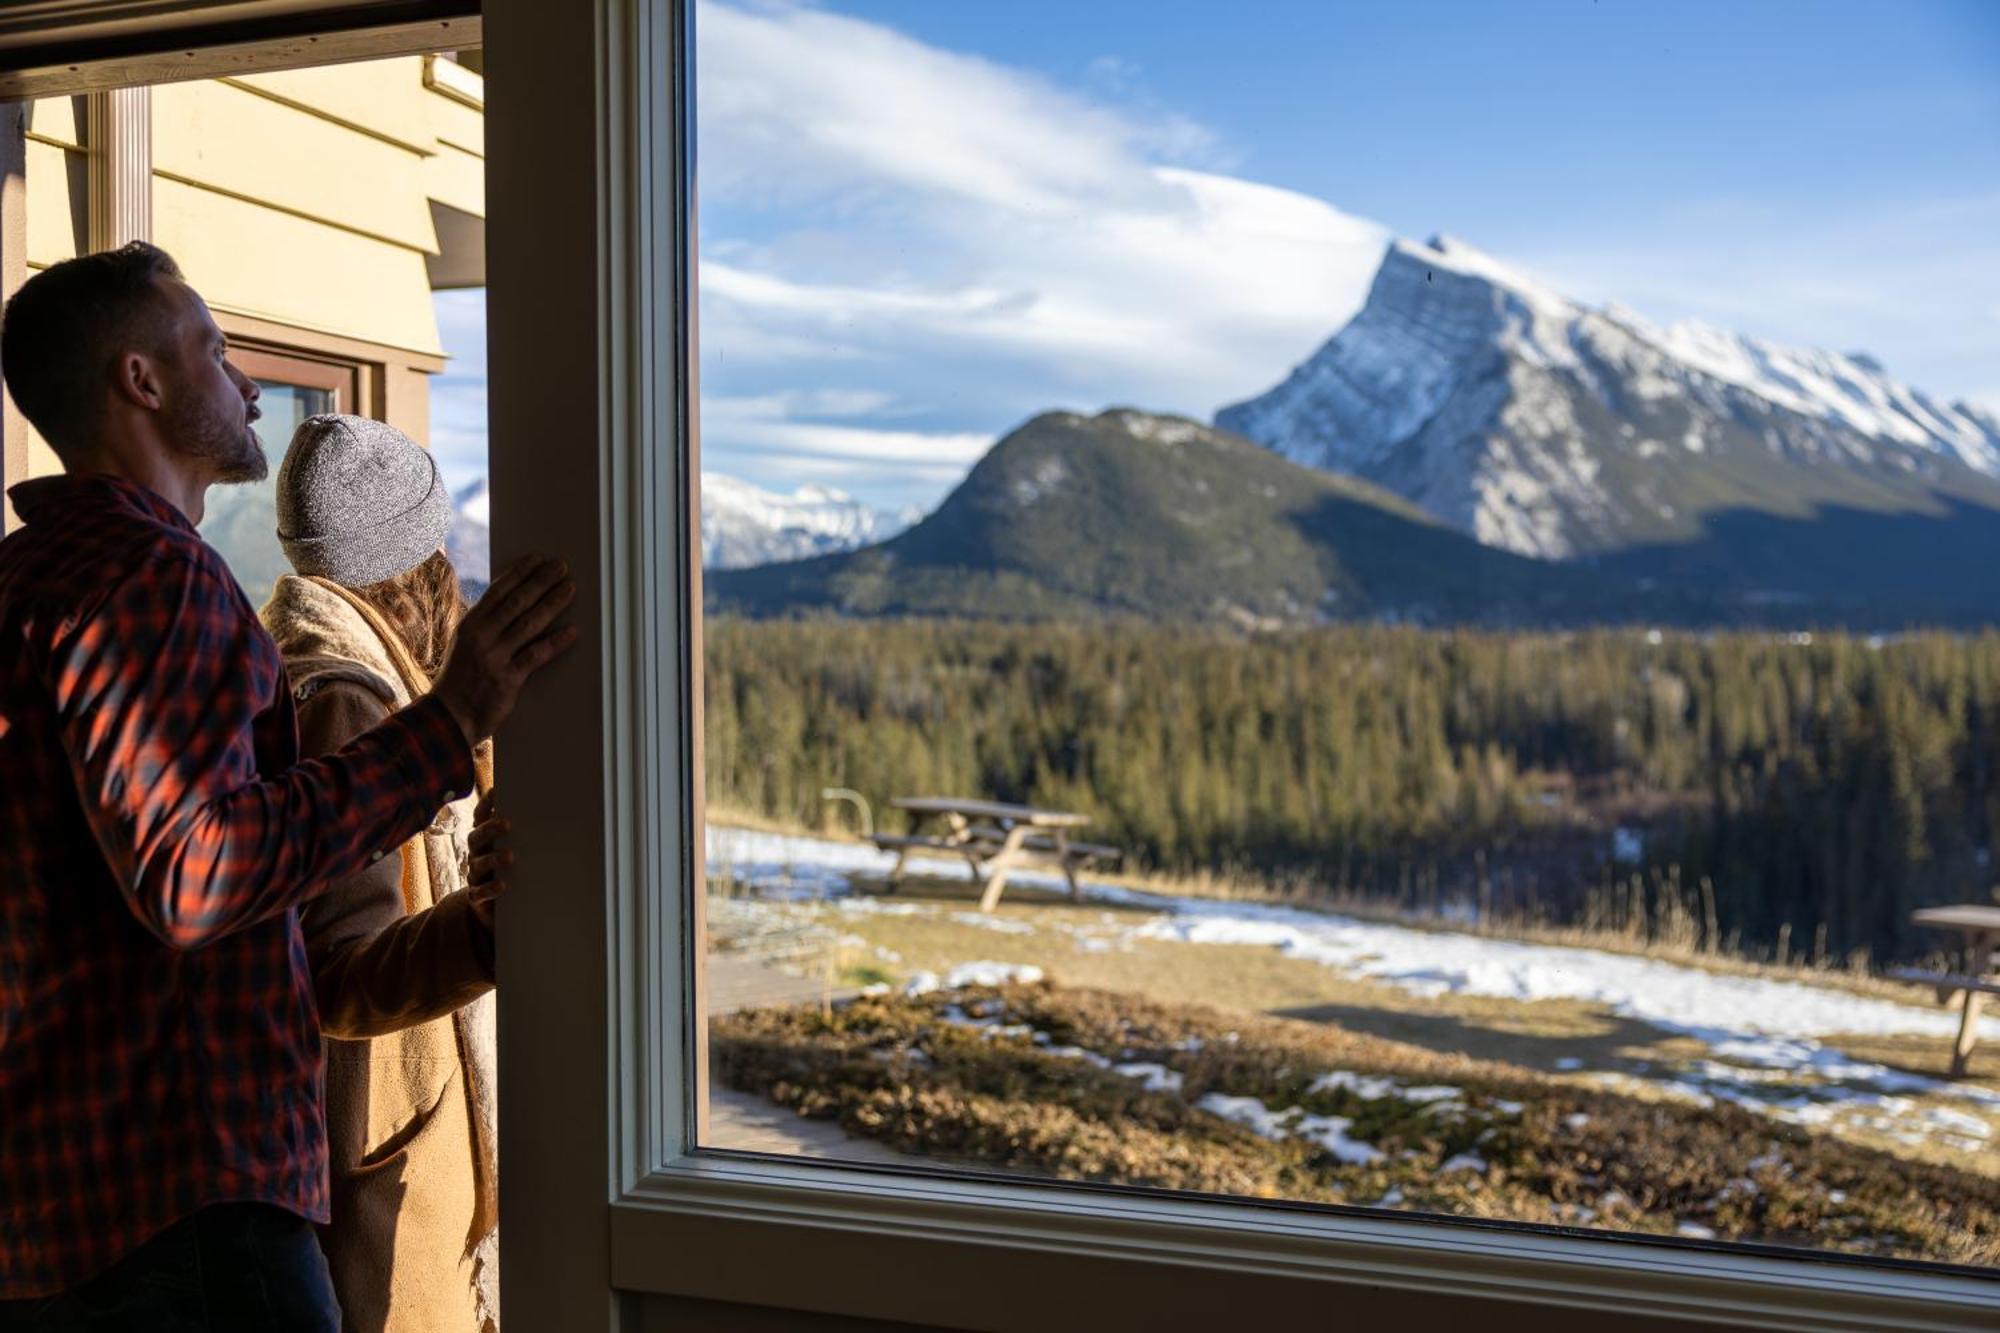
x: 903, y: 1072
x: 1573, y: 1041
x: 1534, y: 1033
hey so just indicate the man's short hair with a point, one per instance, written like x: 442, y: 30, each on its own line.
x: 65, y: 326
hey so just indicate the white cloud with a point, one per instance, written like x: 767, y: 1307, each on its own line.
x: 770, y: 424
x: 801, y: 101
x: 887, y: 216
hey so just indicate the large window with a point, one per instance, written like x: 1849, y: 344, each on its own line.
x: 1290, y: 615
x: 242, y: 520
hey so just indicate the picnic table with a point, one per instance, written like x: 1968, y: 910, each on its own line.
x: 995, y: 838
x: 1978, y: 929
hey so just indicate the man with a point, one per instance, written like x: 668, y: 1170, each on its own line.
x: 162, y: 1147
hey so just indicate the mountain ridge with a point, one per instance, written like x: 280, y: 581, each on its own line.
x: 1135, y: 513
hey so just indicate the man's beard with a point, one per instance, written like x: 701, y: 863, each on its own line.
x: 221, y: 438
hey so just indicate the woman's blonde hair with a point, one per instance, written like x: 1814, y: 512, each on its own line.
x: 424, y: 606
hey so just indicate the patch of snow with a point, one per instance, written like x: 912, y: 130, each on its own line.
x: 1465, y: 1161
x: 1156, y: 428
x: 982, y: 973
x: 1046, y: 476
x: 1328, y: 1131
x: 1089, y: 1057
x: 1152, y: 1077
x: 998, y: 924
x: 1372, y: 1087
x: 1670, y: 996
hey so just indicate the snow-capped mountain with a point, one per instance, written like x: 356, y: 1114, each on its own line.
x: 1549, y: 428
x: 469, y: 544
x: 744, y: 525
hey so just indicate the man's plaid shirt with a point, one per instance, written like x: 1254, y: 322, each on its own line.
x: 159, y: 1049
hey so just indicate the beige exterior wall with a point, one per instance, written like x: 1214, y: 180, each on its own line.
x: 57, y: 214
x: 303, y: 205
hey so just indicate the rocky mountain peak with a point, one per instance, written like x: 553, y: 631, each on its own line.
x: 1537, y: 424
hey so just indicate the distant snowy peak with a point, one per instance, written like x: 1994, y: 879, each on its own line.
x: 1549, y: 428
x: 469, y: 545
x: 475, y: 502
x: 744, y: 525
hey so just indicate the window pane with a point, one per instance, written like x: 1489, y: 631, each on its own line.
x: 1213, y: 684
x: 242, y: 521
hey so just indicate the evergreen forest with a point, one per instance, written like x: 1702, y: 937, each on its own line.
x: 1776, y: 795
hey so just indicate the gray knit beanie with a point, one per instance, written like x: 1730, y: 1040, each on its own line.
x: 359, y: 501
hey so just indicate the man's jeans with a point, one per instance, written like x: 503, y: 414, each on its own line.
x: 232, y: 1266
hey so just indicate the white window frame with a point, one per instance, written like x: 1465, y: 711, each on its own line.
x: 602, y: 1053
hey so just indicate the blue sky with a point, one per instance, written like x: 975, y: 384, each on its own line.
x: 923, y: 222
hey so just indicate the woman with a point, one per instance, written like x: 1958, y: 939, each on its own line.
x: 402, y: 954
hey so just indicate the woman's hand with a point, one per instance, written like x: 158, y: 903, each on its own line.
x: 486, y: 872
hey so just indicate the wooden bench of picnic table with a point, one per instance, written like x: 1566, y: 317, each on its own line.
x: 1979, y: 926
x: 1003, y: 838
x: 1083, y: 851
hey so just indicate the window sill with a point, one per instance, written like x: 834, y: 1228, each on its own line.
x: 813, y: 1236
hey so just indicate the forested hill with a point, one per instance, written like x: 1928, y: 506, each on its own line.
x: 1131, y: 513
x: 1823, y: 789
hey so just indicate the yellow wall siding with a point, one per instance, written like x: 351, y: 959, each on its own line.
x: 456, y: 173
x: 58, y: 216
x: 219, y: 135
x: 272, y: 265
x: 456, y: 179
x: 385, y: 97
x: 42, y: 460
x: 55, y: 216
x: 457, y: 124
x: 56, y: 118
x: 300, y: 198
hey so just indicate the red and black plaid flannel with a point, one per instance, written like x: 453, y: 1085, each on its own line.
x: 159, y: 1049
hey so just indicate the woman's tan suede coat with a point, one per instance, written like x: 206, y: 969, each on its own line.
x: 403, y: 973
